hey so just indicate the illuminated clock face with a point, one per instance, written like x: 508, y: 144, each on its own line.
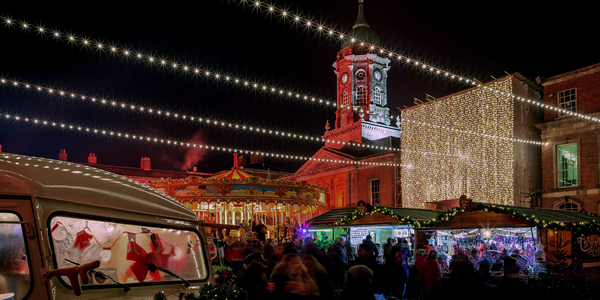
x: 345, y: 78
x: 377, y: 75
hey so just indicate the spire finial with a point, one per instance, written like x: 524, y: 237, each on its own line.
x: 360, y: 21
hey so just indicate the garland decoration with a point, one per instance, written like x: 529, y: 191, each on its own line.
x: 534, y: 221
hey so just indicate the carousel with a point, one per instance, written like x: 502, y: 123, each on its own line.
x: 235, y: 197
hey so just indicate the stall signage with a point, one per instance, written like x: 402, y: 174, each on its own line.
x: 358, y: 234
x: 403, y: 233
x: 589, y: 244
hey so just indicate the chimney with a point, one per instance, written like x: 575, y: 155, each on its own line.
x: 257, y: 158
x: 235, y: 161
x: 195, y: 169
x: 92, y: 158
x: 62, y: 155
x: 0, y: 148
x: 241, y: 161
x: 145, y: 163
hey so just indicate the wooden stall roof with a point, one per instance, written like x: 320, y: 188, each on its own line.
x: 481, y: 219
x: 337, y: 214
x: 478, y: 218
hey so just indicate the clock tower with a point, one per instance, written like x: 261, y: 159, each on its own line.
x: 361, y: 73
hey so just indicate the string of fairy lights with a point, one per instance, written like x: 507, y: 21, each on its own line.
x: 485, y: 171
x: 174, y: 142
x: 178, y: 116
x: 255, y: 85
x: 329, y: 31
x: 491, y: 136
x: 213, y: 121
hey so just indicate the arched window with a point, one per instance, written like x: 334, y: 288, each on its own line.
x: 376, y: 97
x: 345, y: 100
x: 569, y: 206
x: 361, y: 95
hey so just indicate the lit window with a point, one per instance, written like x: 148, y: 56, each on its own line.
x: 361, y: 95
x: 376, y: 95
x: 567, y: 100
x: 345, y: 101
x: 361, y: 74
x: 567, y: 165
x: 569, y: 206
x: 375, y: 192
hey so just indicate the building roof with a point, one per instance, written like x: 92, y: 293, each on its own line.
x: 553, y: 215
x: 76, y: 183
x: 361, y: 151
x: 572, y: 74
x: 362, y: 31
x: 141, y: 173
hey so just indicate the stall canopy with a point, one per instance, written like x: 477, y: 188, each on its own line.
x: 377, y: 215
x: 503, y: 215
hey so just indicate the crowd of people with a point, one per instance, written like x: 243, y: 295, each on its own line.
x: 298, y: 269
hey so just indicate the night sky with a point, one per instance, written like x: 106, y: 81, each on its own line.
x: 471, y: 38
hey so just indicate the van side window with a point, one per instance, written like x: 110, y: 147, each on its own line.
x: 127, y: 251
x: 15, y: 271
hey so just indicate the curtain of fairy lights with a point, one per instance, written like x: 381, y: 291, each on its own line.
x: 480, y: 167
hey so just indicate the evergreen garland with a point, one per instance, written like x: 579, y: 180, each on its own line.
x: 593, y: 226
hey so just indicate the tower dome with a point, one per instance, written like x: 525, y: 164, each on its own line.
x: 361, y: 31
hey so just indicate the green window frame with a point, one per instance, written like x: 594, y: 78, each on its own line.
x: 567, y: 165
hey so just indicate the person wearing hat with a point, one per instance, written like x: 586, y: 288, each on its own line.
x: 250, y: 259
x: 254, y: 257
x: 369, y: 240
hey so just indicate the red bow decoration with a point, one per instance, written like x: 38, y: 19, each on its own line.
x: 142, y: 258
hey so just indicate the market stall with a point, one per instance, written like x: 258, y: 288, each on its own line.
x: 381, y: 222
x: 528, y: 235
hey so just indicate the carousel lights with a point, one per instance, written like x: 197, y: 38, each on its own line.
x: 211, y: 147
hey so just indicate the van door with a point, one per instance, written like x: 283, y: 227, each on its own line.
x: 20, y: 257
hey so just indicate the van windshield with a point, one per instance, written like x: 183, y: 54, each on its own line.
x: 127, y: 251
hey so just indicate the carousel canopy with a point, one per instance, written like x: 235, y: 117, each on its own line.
x: 232, y: 174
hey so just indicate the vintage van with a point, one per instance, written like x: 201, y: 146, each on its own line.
x: 61, y: 222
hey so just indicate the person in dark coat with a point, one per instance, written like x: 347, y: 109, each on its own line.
x: 254, y: 282
x: 317, y: 272
x: 339, y: 261
x: 358, y: 284
x: 369, y: 240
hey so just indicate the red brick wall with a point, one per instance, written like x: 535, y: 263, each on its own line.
x: 588, y: 90
x: 387, y: 185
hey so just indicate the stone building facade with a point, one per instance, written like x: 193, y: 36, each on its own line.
x: 571, y: 159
